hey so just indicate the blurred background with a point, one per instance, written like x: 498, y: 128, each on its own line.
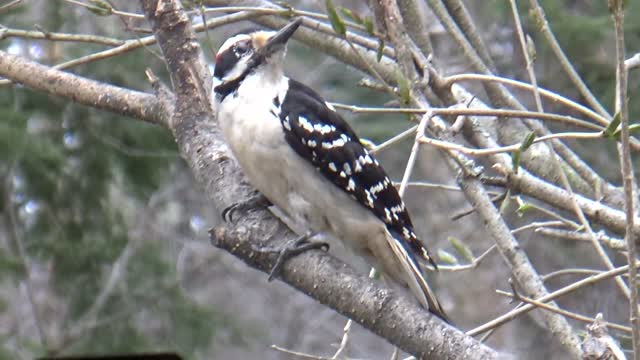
x: 103, y: 231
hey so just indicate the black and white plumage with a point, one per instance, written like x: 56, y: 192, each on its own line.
x: 299, y: 152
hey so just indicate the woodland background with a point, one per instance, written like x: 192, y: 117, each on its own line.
x: 103, y: 229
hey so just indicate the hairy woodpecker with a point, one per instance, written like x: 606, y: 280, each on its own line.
x: 299, y: 152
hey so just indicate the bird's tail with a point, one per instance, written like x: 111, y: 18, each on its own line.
x: 414, y: 276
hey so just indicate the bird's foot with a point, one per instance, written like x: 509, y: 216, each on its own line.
x: 293, y: 248
x: 254, y: 201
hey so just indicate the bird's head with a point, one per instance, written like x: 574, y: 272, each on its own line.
x: 244, y: 54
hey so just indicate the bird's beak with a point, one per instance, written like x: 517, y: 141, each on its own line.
x: 278, y: 41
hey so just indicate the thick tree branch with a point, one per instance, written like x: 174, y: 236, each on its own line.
x: 84, y: 91
x: 315, y: 273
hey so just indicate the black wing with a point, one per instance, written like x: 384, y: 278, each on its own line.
x: 320, y: 135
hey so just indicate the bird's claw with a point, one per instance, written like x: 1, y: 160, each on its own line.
x: 293, y: 248
x: 256, y: 200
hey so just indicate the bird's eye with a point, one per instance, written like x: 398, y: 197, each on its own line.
x: 241, y: 48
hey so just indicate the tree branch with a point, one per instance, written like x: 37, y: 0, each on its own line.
x: 84, y: 91
x: 315, y: 273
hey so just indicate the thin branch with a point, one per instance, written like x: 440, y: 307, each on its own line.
x: 506, y: 149
x: 89, y: 318
x: 6, y: 7
x: 565, y: 63
x: 554, y: 295
x: 99, y: 9
x: 564, y: 272
x: 536, y: 225
x: 395, y: 139
x: 6, y: 33
x: 426, y: 185
x: 563, y: 312
x: 17, y: 239
x: 459, y: 13
x: 474, y: 264
x: 548, y: 212
x: 473, y: 112
x: 526, y: 54
x: 602, y: 254
x: 414, y: 153
x: 622, y: 109
x: 611, y: 243
x: 602, y: 120
x: 288, y: 11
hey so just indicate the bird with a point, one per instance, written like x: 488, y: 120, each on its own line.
x: 299, y: 153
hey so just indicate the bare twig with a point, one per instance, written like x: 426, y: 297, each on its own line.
x: 89, y: 318
x: 54, y: 36
x: 543, y: 24
x: 111, y: 10
x: 474, y: 264
x: 554, y: 295
x: 527, y: 55
x: 504, y: 149
x: 611, y: 243
x: 9, y: 5
x: 414, y: 153
x: 473, y: 112
x: 564, y: 272
x: 546, y: 93
x: 563, y: 312
x: 602, y: 254
x: 18, y: 240
x: 538, y: 224
x: 617, y: 10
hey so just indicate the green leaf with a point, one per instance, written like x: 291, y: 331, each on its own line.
x: 404, y: 93
x: 528, y: 141
x: 461, y: 248
x: 100, y: 7
x: 447, y: 257
x: 351, y: 15
x: 335, y: 19
x: 515, y: 161
x: 610, y: 130
x: 368, y: 24
x: 380, y: 51
x: 522, y: 209
x: 634, y: 129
